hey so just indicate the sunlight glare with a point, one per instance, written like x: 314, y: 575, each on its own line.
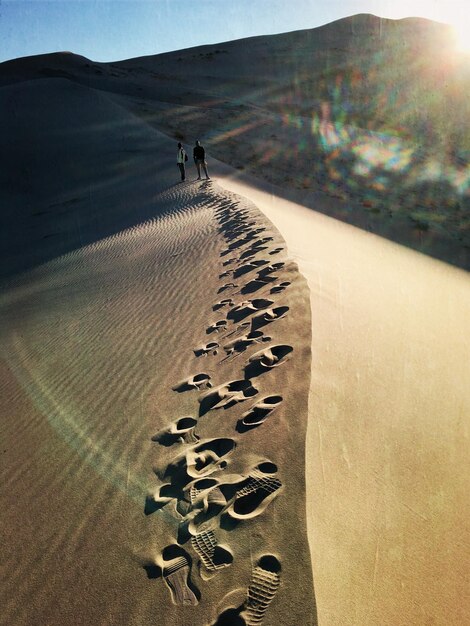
x: 462, y: 32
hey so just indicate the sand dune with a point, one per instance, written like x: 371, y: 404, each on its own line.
x: 113, y: 424
x: 212, y: 395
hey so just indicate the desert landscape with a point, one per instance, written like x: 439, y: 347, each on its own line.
x: 241, y: 400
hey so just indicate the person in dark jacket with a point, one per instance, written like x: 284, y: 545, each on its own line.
x: 181, y: 158
x: 199, y: 155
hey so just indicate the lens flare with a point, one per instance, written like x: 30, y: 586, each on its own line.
x: 462, y: 36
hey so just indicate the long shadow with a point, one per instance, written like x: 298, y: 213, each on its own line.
x: 75, y: 169
x: 257, y: 305
x: 153, y: 571
x: 252, y: 286
x: 259, y: 320
x: 152, y: 507
x: 231, y: 617
x: 209, y: 401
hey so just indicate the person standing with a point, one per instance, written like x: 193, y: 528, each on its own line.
x: 199, y: 155
x: 181, y: 158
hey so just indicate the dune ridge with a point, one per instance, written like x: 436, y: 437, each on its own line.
x: 106, y: 331
x: 193, y: 487
x: 153, y: 332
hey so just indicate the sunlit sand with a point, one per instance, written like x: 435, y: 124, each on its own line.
x: 221, y: 405
x: 387, y: 435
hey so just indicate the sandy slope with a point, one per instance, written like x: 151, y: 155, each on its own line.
x: 387, y: 446
x: 95, y: 344
x: 122, y: 271
x: 76, y: 167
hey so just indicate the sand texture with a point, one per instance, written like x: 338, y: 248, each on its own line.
x: 152, y: 456
x: 387, y: 441
x: 219, y: 405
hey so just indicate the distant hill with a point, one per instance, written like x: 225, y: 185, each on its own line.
x: 383, y: 74
x: 394, y: 75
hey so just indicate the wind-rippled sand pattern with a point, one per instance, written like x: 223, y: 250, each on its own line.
x: 92, y: 344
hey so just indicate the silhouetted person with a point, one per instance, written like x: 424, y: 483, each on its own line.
x: 181, y: 158
x: 199, y: 155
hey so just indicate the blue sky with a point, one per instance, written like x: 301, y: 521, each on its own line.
x: 106, y: 30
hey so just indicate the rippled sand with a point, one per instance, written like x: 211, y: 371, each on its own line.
x: 104, y: 350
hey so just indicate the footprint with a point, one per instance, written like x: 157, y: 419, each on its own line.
x: 196, y: 491
x: 265, y: 581
x: 238, y: 230
x: 280, y: 287
x: 229, y: 210
x: 231, y: 617
x: 248, y: 267
x: 232, y: 246
x: 203, y: 517
x: 258, y: 413
x: 266, y: 317
x: 226, y: 395
x: 242, y: 343
x: 267, y: 359
x: 157, y: 500
x: 217, y: 327
x: 241, y: 328
x: 199, y: 501
x: 198, y: 381
x: 248, y: 307
x: 265, y: 240
x: 222, y: 303
x: 257, y: 283
x: 213, y: 556
x: 226, y: 286
x: 225, y: 252
x: 267, y: 278
x: 193, y: 492
x: 258, y: 492
x: 176, y: 572
x: 238, y: 498
x: 229, y: 261
x: 231, y: 223
x: 274, y: 267
x: 180, y: 431
x: 241, y: 242
x: 206, y: 349
x: 251, y: 251
x: 254, y: 285
x: 209, y: 457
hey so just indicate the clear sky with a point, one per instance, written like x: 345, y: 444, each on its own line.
x: 108, y: 30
